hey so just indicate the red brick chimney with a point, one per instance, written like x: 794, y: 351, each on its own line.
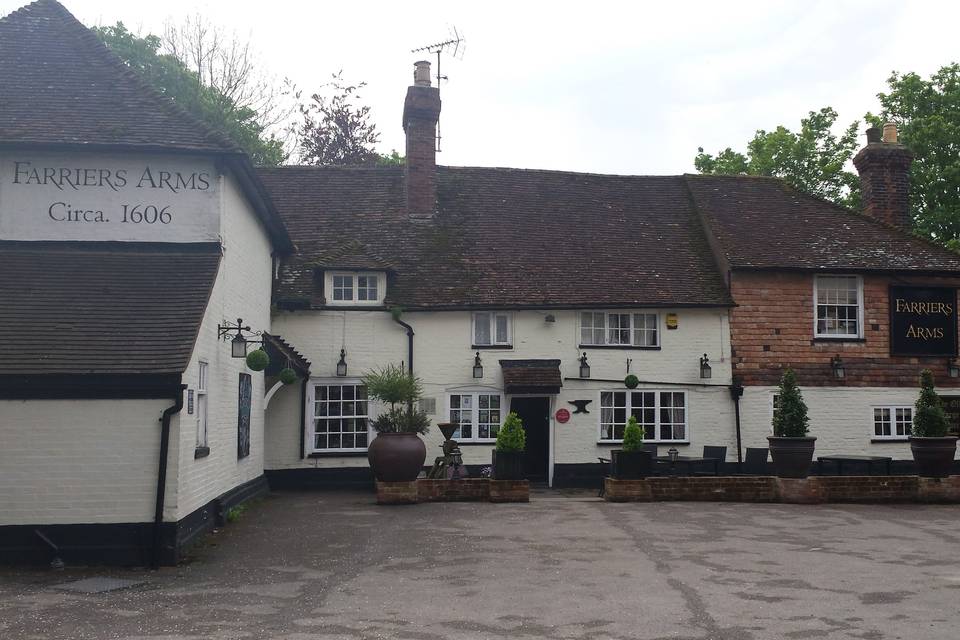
x: 421, y: 110
x: 884, y: 167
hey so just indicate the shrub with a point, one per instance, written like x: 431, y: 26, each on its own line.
x: 632, y: 436
x: 288, y: 375
x: 929, y: 420
x: 399, y: 389
x: 631, y: 381
x: 790, y: 418
x: 511, y: 437
x: 258, y: 360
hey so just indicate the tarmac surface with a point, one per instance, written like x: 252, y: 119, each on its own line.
x: 334, y: 565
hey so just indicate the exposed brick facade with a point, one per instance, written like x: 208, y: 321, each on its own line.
x: 773, y: 328
x: 885, y: 182
x: 421, y: 110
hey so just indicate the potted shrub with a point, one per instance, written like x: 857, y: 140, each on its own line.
x: 631, y: 462
x: 508, y: 454
x: 397, y: 453
x: 790, y: 447
x: 933, y: 450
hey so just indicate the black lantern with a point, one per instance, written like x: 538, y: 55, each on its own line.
x: 342, y: 364
x: 238, y: 346
x: 477, y: 366
x: 705, y: 370
x: 953, y: 368
x: 584, y: 367
x: 839, y: 371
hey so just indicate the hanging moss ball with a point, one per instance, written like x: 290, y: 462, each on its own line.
x: 631, y: 381
x: 288, y: 375
x: 258, y: 360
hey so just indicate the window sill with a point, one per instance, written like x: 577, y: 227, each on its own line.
x: 491, y: 347
x: 353, y: 306
x: 337, y: 454
x: 625, y: 347
x: 618, y: 443
x: 890, y: 440
x: 201, y: 452
x: 837, y: 339
x: 476, y: 443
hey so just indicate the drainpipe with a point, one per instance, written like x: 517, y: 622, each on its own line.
x: 168, y: 413
x: 395, y: 312
x: 736, y: 392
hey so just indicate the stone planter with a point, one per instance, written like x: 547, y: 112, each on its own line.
x: 792, y: 457
x: 396, y: 457
x: 934, y: 456
x: 629, y: 465
x: 507, y: 465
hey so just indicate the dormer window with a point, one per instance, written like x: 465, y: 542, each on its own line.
x: 354, y: 288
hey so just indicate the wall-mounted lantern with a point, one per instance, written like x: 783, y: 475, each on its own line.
x: 477, y: 366
x: 584, y: 367
x: 239, y: 342
x: 705, y: 370
x: 953, y: 368
x: 342, y: 364
x: 839, y: 370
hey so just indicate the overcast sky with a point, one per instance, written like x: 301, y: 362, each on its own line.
x: 604, y: 87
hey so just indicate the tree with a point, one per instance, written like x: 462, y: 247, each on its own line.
x: 930, y: 420
x: 927, y: 114
x: 814, y: 160
x: 335, y: 131
x: 790, y: 417
x: 632, y: 435
x: 224, y: 92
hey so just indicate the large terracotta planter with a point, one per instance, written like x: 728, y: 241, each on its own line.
x: 396, y: 457
x: 792, y: 457
x: 934, y: 456
x: 629, y: 465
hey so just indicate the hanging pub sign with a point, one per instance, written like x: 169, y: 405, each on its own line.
x: 923, y: 321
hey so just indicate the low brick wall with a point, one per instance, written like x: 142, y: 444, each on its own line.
x: 466, y: 490
x: 397, y: 492
x: 812, y: 490
x: 509, y: 491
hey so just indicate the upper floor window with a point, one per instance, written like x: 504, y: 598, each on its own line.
x: 346, y: 288
x: 839, y: 306
x: 599, y: 328
x: 491, y: 329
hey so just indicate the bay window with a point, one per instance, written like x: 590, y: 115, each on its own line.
x: 600, y: 328
x: 479, y: 415
x: 838, y: 302
x: 661, y: 414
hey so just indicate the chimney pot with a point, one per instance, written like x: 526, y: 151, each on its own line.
x: 421, y: 73
x: 890, y: 133
x: 873, y: 135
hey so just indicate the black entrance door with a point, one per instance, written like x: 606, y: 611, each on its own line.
x: 535, y: 414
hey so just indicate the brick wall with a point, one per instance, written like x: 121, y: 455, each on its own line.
x: 773, y: 326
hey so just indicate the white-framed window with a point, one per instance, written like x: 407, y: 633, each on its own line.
x: 601, y: 328
x: 838, y: 306
x: 661, y: 414
x: 340, y: 419
x: 202, y: 378
x: 893, y: 422
x: 352, y: 288
x: 491, y: 329
x: 478, y: 413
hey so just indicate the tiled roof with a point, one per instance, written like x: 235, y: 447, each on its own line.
x: 503, y: 237
x: 61, y: 85
x: 531, y: 376
x: 102, y: 308
x: 763, y: 223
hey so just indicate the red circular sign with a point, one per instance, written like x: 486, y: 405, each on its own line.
x: 562, y: 415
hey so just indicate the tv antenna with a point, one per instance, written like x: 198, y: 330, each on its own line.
x: 456, y: 47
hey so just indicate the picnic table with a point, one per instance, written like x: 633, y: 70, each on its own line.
x: 689, y: 461
x: 841, y: 460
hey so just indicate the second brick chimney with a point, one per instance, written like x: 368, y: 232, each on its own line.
x: 421, y: 110
x: 884, y: 167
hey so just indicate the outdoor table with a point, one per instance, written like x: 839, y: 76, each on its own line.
x: 689, y: 461
x: 840, y: 460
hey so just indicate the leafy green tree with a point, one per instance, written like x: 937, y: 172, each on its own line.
x: 790, y: 418
x: 814, y: 159
x: 511, y: 437
x: 170, y: 75
x: 632, y: 435
x: 930, y: 420
x: 927, y: 114
x: 394, y: 386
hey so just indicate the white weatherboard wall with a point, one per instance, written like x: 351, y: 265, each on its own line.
x: 79, y: 461
x: 443, y: 359
x: 242, y: 290
x: 841, y: 418
x: 83, y: 196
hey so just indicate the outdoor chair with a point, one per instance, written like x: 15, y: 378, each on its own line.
x: 714, y: 453
x: 755, y: 461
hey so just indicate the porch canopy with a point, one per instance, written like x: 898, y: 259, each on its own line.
x: 531, y: 377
